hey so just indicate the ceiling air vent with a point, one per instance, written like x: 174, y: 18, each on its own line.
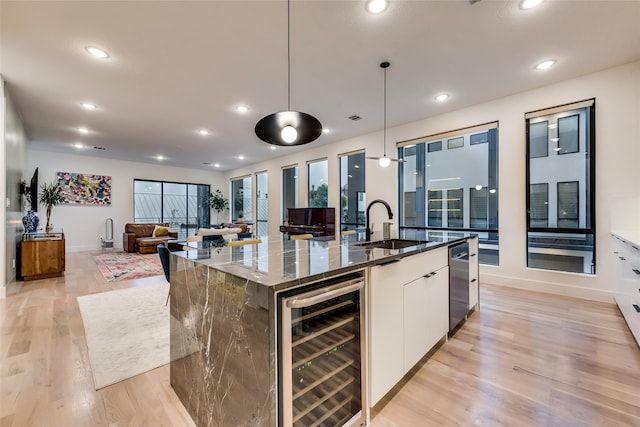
x: 355, y: 117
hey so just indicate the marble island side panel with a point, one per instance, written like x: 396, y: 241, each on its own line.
x: 222, y: 347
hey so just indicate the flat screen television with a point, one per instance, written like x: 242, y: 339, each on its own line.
x: 33, y: 189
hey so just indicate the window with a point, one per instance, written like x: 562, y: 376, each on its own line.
x: 568, y: 134
x: 184, y: 206
x: 539, y: 139
x: 568, y: 204
x: 435, y: 208
x: 318, y: 191
x: 479, y: 138
x: 353, y: 202
x: 560, y: 223
x: 262, y: 205
x: 539, y: 209
x: 438, y: 187
x: 241, y: 199
x: 434, y: 146
x: 455, y: 143
x: 454, y: 208
x: 289, y: 190
x: 478, y: 202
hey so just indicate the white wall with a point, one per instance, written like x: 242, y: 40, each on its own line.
x: 14, y: 169
x: 617, y: 172
x: 84, y: 224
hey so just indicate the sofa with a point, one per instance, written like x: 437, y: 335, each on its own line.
x: 145, y: 238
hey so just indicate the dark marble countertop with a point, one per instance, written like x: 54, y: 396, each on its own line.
x: 281, y: 264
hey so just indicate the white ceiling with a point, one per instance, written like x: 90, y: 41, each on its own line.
x: 178, y: 66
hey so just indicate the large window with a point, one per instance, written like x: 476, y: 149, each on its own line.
x: 353, y: 202
x: 289, y: 190
x: 453, y: 185
x: 561, y: 188
x: 318, y: 191
x: 184, y: 206
x: 262, y: 206
x: 241, y: 199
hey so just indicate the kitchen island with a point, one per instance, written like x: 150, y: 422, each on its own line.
x: 225, y: 317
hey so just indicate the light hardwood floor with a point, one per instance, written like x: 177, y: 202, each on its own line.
x: 526, y: 359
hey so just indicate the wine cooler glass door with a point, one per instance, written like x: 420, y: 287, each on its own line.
x: 322, y: 349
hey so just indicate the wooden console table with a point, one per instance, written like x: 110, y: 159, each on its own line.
x: 42, y: 255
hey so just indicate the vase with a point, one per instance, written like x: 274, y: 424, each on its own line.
x: 30, y: 221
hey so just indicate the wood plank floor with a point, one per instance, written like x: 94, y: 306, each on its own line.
x: 526, y: 359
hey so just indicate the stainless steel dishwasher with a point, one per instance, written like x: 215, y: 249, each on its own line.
x: 458, y: 284
x: 322, y: 375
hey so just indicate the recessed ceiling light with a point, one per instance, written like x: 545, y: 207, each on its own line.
x: 442, y: 97
x: 377, y: 6
x: 83, y: 130
x: 98, y: 53
x: 216, y: 165
x: 78, y: 145
x: 529, y: 4
x: 273, y: 147
x: 88, y: 106
x: 545, y: 65
x: 326, y: 130
x: 240, y: 157
x: 242, y: 108
x: 160, y: 157
x: 203, y: 132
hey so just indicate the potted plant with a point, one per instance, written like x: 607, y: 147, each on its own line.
x: 218, y: 202
x: 50, y: 196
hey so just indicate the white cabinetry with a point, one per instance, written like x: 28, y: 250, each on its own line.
x: 474, y: 273
x: 627, y: 286
x: 426, y: 315
x: 387, y: 321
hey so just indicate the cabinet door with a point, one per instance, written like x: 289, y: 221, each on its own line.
x: 385, y: 331
x: 474, y: 273
x: 426, y: 315
x: 42, y: 258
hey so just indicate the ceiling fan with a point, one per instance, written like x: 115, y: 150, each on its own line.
x: 385, y: 161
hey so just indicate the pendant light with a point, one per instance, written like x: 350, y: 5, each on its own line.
x: 288, y: 128
x: 384, y: 161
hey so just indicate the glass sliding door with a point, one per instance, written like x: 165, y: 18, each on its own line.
x: 262, y: 205
x: 561, y: 188
x: 183, y: 206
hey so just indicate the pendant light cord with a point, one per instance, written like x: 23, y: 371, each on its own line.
x: 288, y: 55
x: 384, y: 116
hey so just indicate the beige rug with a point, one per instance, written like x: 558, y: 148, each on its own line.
x: 127, y: 331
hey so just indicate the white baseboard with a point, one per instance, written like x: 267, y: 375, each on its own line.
x: 549, y: 287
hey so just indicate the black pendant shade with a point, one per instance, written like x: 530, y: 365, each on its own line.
x: 288, y: 128
x: 269, y: 128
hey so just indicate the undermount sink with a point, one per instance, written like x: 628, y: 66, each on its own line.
x: 392, y: 243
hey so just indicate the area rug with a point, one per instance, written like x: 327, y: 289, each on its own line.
x: 127, y: 331
x: 116, y: 266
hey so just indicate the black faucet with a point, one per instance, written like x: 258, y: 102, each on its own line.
x: 367, y: 230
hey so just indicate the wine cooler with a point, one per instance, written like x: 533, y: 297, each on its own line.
x: 322, y: 348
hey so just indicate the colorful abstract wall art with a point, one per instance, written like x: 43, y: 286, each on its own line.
x: 85, y: 189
